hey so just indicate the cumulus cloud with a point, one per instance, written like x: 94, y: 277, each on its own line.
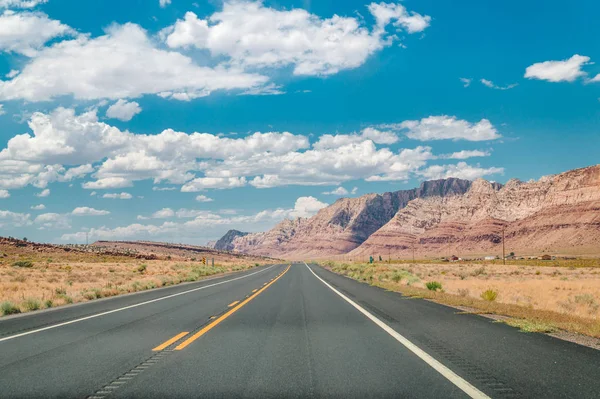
x: 164, y: 3
x: 338, y: 191
x: 107, y: 182
x: 203, y: 198
x: 39, y: 207
x: 14, y: 219
x: 43, y: 193
x: 53, y: 221
x: 200, y: 220
x: 27, y: 32
x: 558, y: 71
x: 2, y: 112
x: 204, y: 183
x: 4, y: 194
x: 123, y: 110
x: 21, y: 3
x: 466, y: 82
x: 461, y: 170
x: 252, y: 35
x: 123, y: 196
x: 86, y: 211
x: 327, y: 141
x: 492, y: 85
x: 465, y: 154
x: 164, y: 213
x: 445, y: 127
x: 122, y: 63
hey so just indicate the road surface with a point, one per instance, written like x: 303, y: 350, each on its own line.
x: 282, y: 331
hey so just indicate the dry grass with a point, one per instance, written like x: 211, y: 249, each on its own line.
x: 538, y: 299
x: 31, y: 280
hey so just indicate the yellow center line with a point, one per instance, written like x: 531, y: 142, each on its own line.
x: 233, y: 303
x: 171, y: 341
x: 226, y: 315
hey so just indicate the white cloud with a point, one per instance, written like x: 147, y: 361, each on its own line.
x: 354, y: 190
x: 39, y: 207
x: 164, y: 213
x: 461, y: 170
x: 492, y: 85
x: 203, y: 183
x: 203, y: 198
x: 86, y: 211
x: 466, y: 82
x: 465, y: 154
x: 328, y: 141
x: 2, y: 112
x: 558, y: 71
x: 200, y: 220
x: 338, y: 191
x: 445, y: 127
x: 121, y: 64
x: 164, y: 188
x: 43, y: 193
x: 21, y: 3
x: 4, y: 194
x: 252, y: 35
x: 164, y: 3
x: 271, y: 89
x: 123, y: 110
x: 78, y: 172
x: 13, y: 219
x: 123, y: 196
x: 106, y: 183
x: 53, y: 220
x: 93, y: 193
x: 26, y: 32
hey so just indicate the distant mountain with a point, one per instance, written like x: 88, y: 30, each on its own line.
x: 557, y: 214
x: 226, y: 242
x: 342, y: 226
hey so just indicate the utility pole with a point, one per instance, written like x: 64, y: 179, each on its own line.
x: 503, y: 255
x: 86, y: 239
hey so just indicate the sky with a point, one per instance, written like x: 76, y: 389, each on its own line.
x: 177, y: 120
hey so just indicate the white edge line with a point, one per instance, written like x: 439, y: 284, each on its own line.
x: 128, y: 307
x: 450, y: 375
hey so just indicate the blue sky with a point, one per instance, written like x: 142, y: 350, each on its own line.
x: 270, y: 110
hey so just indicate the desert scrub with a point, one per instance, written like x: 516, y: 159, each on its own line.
x: 23, y: 263
x: 489, y: 295
x: 31, y: 304
x: 8, y: 308
x: 49, y: 303
x: 142, y: 268
x: 434, y: 285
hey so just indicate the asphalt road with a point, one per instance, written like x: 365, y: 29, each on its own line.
x: 282, y: 331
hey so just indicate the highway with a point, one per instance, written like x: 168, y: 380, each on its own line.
x: 282, y: 331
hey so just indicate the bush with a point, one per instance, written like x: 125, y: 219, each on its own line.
x: 23, y: 263
x: 489, y: 295
x: 142, y: 269
x: 8, y: 308
x: 396, y: 277
x: 31, y: 304
x: 49, y: 303
x: 60, y: 291
x: 433, y: 285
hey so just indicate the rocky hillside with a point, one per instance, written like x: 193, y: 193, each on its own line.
x: 225, y: 243
x: 342, y: 226
x: 557, y: 214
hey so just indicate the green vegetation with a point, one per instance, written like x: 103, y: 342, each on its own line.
x: 8, y: 308
x: 142, y: 268
x: 31, y: 304
x: 434, y: 285
x: 489, y: 295
x: 23, y: 263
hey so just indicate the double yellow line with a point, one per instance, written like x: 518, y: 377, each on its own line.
x: 217, y: 321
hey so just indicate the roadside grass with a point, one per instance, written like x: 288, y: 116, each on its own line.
x: 527, y: 318
x: 52, y: 284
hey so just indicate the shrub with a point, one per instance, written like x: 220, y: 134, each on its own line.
x: 31, y: 304
x: 256, y: 264
x: 49, y: 303
x: 489, y: 295
x: 433, y: 285
x: 23, y: 263
x: 478, y: 272
x: 142, y: 269
x: 8, y: 308
x: 463, y: 292
x: 20, y: 278
x: 396, y: 277
x: 60, y: 291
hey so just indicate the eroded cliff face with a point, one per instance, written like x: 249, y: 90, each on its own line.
x: 558, y: 214
x: 342, y: 226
